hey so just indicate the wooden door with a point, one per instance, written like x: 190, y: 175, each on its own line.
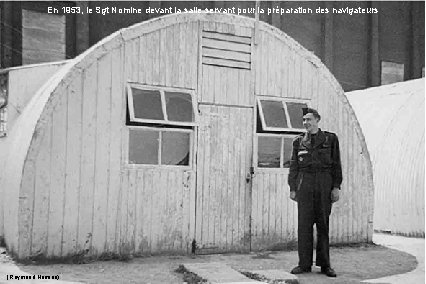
x: 224, y: 158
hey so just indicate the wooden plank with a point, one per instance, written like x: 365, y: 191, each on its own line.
x: 151, y: 72
x: 26, y: 208
x: 175, y: 191
x: 194, y: 49
x: 117, y: 110
x: 201, y: 170
x: 239, y: 196
x: 163, y: 56
x: 216, y: 160
x: 147, y: 220
x: 168, y: 54
x: 174, y: 54
x: 226, y: 129
x: 131, y: 208
x: 155, y: 212
x: 271, y: 209
x: 57, y: 183
x: 139, y: 210
x: 217, y: 44
x: 230, y: 206
x: 246, y: 141
x: 225, y: 63
x: 103, y: 126
x: 210, y: 212
x: 41, y: 194
x: 181, y: 69
x: 73, y: 157
x: 123, y: 247
x: 226, y: 37
x: 87, y: 163
x: 226, y: 54
x: 143, y: 59
x: 278, y: 207
x: 190, y: 209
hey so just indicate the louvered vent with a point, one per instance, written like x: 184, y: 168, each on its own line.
x: 226, y: 50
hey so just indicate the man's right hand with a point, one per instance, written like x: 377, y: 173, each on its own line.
x: 293, y: 196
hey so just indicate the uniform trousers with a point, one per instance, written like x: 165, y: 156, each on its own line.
x: 314, y: 207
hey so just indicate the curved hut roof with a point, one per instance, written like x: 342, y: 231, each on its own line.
x: 392, y: 119
x: 75, y: 111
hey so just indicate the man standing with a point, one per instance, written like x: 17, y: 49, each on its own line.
x: 314, y: 178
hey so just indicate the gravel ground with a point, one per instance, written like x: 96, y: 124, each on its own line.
x: 352, y: 265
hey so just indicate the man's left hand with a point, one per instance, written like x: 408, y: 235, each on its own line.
x: 335, y: 194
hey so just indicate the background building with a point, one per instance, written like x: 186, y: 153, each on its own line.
x: 361, y: 50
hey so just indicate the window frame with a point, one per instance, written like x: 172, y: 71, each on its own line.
x: 287, y: 115
x: 282, y: 136
x: 274, y: 131
x: 160, y: 130
x: 162, y: 91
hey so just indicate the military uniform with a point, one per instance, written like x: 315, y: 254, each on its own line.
x: 315, y: 169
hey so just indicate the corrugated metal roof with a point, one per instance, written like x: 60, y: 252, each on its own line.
x: 392, y: 118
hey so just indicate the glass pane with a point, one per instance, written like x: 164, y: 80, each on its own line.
x: 269, y: 150
x: 288, y: 149
x: 147, y: 104
x: 295, y: 113
x: 143, y: 146
x: 274, y: 114
x: 175, y: 148
x: 179, y: 106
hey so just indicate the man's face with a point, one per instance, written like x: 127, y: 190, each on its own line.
x: 310, y: 122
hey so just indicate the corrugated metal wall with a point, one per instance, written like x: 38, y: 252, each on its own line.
x: 392, y: 119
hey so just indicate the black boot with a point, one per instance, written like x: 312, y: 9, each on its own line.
x: 300, y: 270
x: 327, y: 270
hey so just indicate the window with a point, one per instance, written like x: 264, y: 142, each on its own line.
x: 156, y: 105
x: 274, y: 150
x: 280, y: 115
x: 160, y: 124
x: 279, y: 121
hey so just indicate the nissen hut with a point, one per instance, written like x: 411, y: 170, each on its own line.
x: 173, y: 136
x: 392, y: 118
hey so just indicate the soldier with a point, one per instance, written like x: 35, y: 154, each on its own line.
x: 315, y: 176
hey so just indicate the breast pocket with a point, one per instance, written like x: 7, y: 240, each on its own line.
x: 324, y: 155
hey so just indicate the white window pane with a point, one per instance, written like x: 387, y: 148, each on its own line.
x: 269, y: 152
x: 274, y: 114
x: 143, y: 146
x: 147, y: 104
x: 295, y: 113
x: 179, y: 107
x: 287, y: 151
x: 175, y: 148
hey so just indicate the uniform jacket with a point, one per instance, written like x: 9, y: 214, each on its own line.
x: 323, y: 156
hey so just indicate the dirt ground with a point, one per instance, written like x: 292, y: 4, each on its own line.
x: 352, y: 264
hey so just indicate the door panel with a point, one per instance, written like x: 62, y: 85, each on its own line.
x: 223, y: 204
